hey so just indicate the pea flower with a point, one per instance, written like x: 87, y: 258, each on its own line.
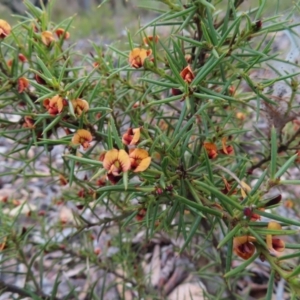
x: 141, y: 214
x: 139, y: 159
x: 131, y: 136
x: 187, y: 74
x: 80, y: 106
x: 23, y: 84
x: 211, y: 150
x: 61, y: 32
x: 227, y: 187
x: 82, y: 137
x: 243, y: 246
x: 116, y: 161
x: 150, y: 39
x: 274, y: 244
x: 28, y: 122
x: 47, y: 38
x: 226, y: 149
x: 137, y: 57
x: 55, y: 105
x: 5, y: 29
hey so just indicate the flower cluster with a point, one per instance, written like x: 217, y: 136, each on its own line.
x: 117, y: 161
x: 48, y: 38
x: 244, y: 246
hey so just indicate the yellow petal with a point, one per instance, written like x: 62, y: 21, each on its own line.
x: 60, y: 104
x: 139, y: 154
x: 54, y: 100
x: 144, y: 164
x: 274, y: 225
x: 136, y: 136
x: 224, y: 139
x: 80, y: 105
x: 83, y: 133
x: 47, y: 37
x: 137, y: 56
x: 76, y: 139
x: 239, y: 240
x: 110, y: 157
x: 83, y: 104
x: 124, y: 160
x: 210, y: 146
x: 5, y: 29
x: 269, y: 239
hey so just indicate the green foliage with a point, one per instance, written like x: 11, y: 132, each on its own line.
x: 163, y: 136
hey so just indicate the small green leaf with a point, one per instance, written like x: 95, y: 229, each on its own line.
x: 285, y: 167
x: 269, y: 295
x: 242, y: 267
x: 273, y: 162
x: 230, y: 235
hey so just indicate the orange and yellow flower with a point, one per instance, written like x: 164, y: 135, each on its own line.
x: 28, y: 122
x: 139, y: 159
x: 211, y: 150
x: 137, y: 57
x: 226, y: 149
x: 274, y: 244
x: 187, y: 74
x: 55, y: 105
x: 47, y: 38
x: 82, y: 137
x: 23, y: 84
x: 243, y: 246
x: 131, y: 136
x: 80, y: 106
x: 116, y: 161
x: 5, y: 29
x: 61, y: 32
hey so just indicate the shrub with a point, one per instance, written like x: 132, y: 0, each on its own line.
x: 191, y: 132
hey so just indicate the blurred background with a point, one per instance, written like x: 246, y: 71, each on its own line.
x: 111, y: 18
